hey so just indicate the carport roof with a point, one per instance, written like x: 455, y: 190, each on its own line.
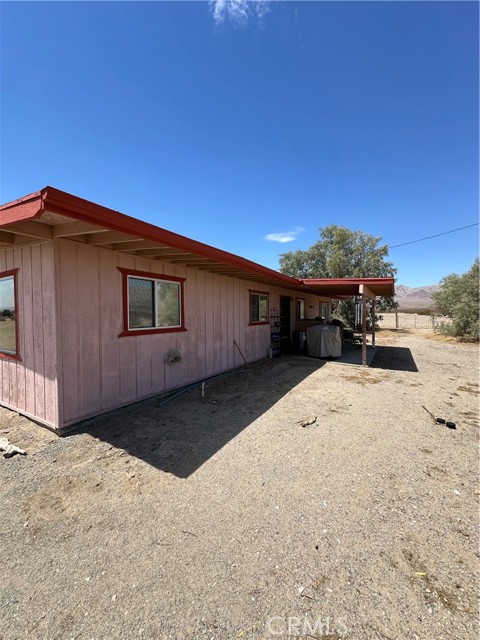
x: 346, y: 287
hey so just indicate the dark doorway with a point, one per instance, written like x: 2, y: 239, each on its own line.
x: 285, y: 342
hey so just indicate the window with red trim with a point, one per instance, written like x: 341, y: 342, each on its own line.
x: 258, y: 307
x: 152, y: 303
x: 8, y: 314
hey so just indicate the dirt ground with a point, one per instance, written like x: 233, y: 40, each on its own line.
x: 224, y: 518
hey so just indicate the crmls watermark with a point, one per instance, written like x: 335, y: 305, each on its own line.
x: 291, y: 626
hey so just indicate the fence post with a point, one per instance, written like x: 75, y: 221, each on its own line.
x: 415, y: 321
x: 396, y: 319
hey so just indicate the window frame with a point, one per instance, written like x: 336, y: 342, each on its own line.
x: 256, y: 323
x: 298, y: 315
x: 322, y: 302
x: 154, y: 277
x: 9, y: 355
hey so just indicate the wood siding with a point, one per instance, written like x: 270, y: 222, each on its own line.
x: 69, y: 312
x: 102, y: 371
x: 29, y: 385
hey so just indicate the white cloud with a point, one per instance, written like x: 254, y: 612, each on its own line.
x: 238, y: 11
x: 284, y: 236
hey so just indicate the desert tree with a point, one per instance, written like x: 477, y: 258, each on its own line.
x: 342, y: 253
x: 459, y: 299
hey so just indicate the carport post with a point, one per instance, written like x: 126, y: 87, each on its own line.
x: 364, y: 330
x: 373, y: 323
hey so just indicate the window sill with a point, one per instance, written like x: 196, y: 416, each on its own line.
x: 10, y: 356
x: 142, y: 332
x: 258, y: 324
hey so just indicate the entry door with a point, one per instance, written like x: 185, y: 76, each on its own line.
x: 285, y: 304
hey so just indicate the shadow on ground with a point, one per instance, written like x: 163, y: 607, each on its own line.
x: 180, y: 436
x: 394, y: 359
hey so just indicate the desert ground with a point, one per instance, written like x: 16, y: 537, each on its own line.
x: 224, y: 518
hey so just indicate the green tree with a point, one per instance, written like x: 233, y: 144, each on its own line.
x: 342, y: 253
x: 459, y: 299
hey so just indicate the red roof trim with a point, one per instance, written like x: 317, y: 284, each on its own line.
x: 77, y: 208
x: 56, y: 201
x: 61, y: 202
x: 335, y: 281
x: 25, y: 208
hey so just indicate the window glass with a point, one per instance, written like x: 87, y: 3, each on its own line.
x: 8, y: 337
x: 140, y: 303
x: 263, y: 309
x: 324, y: 308
x: 168, y: 304
x: 258, y: 307
x: 300, y: 309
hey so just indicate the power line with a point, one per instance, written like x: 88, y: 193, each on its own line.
x: 393, y: 246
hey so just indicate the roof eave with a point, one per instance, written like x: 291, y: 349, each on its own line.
x: 26, y: 208
x: 60, y: 202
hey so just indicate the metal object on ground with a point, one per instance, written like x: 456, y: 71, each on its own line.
x: 447, y: 423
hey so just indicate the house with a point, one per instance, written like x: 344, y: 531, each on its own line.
x: 99, y: 310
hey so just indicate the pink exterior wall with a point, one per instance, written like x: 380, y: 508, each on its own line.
x: 29, y: 385
x: 100, y: 371
x: 69, y: 312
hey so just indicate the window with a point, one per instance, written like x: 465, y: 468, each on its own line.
x: 324, y: 309
x: 258, y: 307
x: 8, y: 315
x: 152, y: 303
x: 300, y: 305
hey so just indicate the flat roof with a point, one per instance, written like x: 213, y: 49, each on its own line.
x: 51, y: 213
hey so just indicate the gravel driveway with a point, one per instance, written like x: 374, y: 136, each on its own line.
x: 224, y: 518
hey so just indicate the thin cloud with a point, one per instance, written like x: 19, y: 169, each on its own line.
x: 284, y: 236
x: 238, y: 12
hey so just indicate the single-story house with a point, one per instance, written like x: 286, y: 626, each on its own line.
x: 99, y: 309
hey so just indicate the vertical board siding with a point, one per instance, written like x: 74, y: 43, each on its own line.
x: 30, y: 384
x: 113, y: 371
x: 209, y: 334
x: 110, y: 304
x: 67, y: 286
x: 88, y: 334
x: 69, y: 316
x: 191, y: 321
x: 37, y: 310
x: 49, y: 333
x: 199, y: 316
x: 25, y: 301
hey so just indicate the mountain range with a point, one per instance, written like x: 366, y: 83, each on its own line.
x: 415, y: 297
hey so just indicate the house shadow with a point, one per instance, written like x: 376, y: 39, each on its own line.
x: 180, y: 435
x: 394, y: 359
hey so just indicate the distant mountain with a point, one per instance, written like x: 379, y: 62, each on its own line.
x: 415, y: 297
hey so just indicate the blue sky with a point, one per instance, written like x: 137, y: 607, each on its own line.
x: 273, y: 118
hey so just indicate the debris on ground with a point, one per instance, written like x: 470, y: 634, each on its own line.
x: 9, y: 449
x: 307, y: 421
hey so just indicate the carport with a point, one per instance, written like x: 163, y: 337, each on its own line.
x: 365, y: 288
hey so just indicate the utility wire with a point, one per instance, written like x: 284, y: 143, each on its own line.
x: 393, y: 246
